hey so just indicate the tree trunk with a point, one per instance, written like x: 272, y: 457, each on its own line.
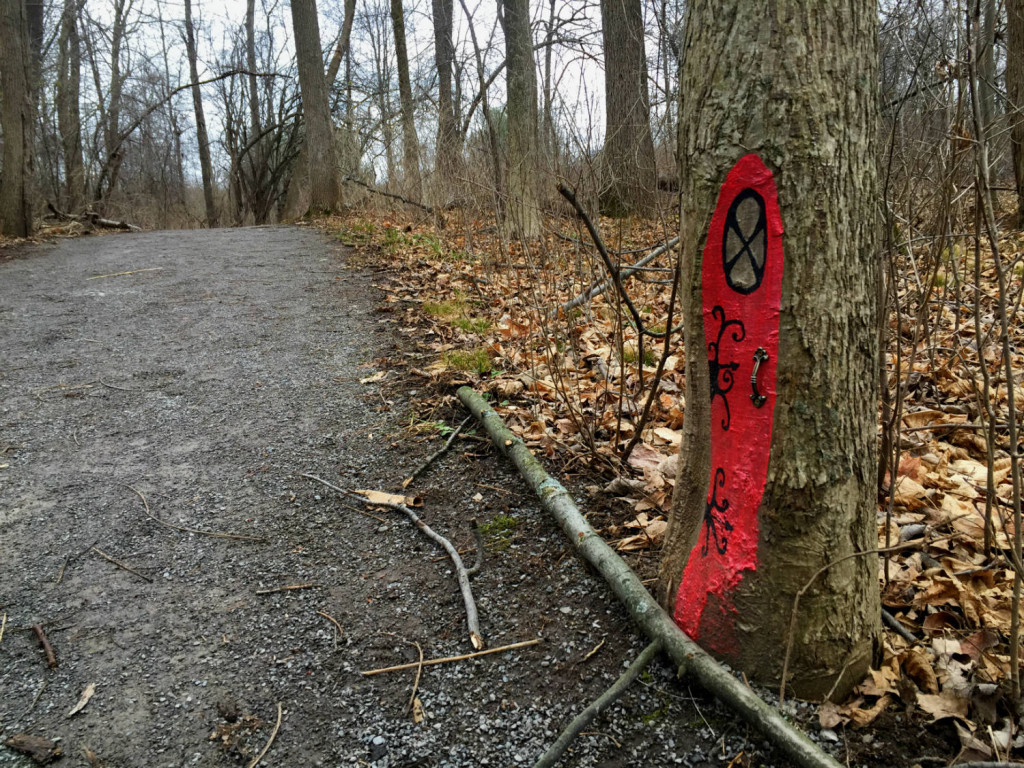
x: 1015, y: 95
x: 448, y: 150
x: 298, y: 187
x: 799, y: 90
x: 521, y: 113
x: 410, y: 142
x: 16, y: 121
x: 630, y: 173
x: 205, y: 163
x: 111, y: 129
x: 322, y: 165
x: 69, y: 119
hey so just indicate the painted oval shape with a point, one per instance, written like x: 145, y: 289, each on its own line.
x: 741, y: 293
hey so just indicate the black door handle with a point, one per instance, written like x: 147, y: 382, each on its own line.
x: 760, y: 356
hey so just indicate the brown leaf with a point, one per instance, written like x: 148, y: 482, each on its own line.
x: 41, y: 750
x: 918, y: 667
x: 645, y: 457
x: 379, y: 497
x: 942, y: 706
x: 90, y: 689
x: 862, y: 717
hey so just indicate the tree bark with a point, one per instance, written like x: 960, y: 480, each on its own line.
x: 629, y: 169
x: 322, y: 164
x: 69, y: 120
x: 16, y: 121
x: 205, y: 162
x: 799, y: 89
x: 1015, y: 95
x: 410, y: 142
x: 448, y: 149
x: 521, y: 114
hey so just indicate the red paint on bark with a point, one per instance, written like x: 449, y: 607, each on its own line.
x: 742, y: 292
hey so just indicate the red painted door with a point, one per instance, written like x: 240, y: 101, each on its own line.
x: 742, y: 293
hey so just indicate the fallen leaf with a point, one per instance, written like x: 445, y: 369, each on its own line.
x: 943, y: 705
x: 379, y: 375
x: 861, y: 717
x: 645, y: 457
x: 41, y: 750
x: 919, y: 669
x: 666, y: 436
x: 379, y: 497
x: 90, y: 689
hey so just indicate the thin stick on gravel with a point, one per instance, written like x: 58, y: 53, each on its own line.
x: 273, y: 735
x: 416, y: 682
x: 44, y: 642
x: 60, y: 573
x: 122, y: 274
x: 331, y: 619
x: 437, y: 454
x: 214, y: 534
x: 690, y: 658
x: 472, y: 618
x: 602, y: 702
x: 121, y: 565
x: 3, y: 625
x: 285, y: 588
x: 446, y: 659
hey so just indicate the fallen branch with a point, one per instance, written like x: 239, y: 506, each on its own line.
x: 121, y: 565
x: 601, y: 286
x: 44, y: 642
x: 286, y: 588
x: 437, y: 454
x: 894, y: 624
x: 90, y: 217
x: 446, y: 659
x: 213, y: 534
x: 376, y: 191
x: 472, y: 618
x: 690, y: 658
x: 273, y: 735
x: 602, y: 702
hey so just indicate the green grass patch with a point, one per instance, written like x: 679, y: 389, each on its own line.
x: 470, y: 360
x: 445, y: 309
x: 498, y: 532
x: 473, y: 324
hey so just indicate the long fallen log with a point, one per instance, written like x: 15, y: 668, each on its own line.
x: 690, y: 658
x: 600, y: 286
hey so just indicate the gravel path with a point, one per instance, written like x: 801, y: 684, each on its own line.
x: 227, y: 364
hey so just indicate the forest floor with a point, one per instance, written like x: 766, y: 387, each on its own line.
x: 159, y: 388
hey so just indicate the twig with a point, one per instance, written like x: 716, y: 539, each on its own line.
x: 122, y: 274
x: 376, y: 191
x: 600, y: 286
x: 594, y: 650
x: 60, y: 573
x: 438, y: 454
x: 894, y: 624
x: 51, y: 657
x: 331, y: 619
x: 602, y: 702
x: 213, y: 534
x: 119, y: 564
x: 472, y: 618
x: 286, y: 588
x: 419, y: 673
x: 119, y: 389
x: 3, y: 625
x: 445, y: 660
x: 690, y: 658
x: 273, y: 735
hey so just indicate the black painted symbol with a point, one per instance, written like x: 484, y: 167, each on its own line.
x: 721, y: 374
x: 745, y: 242
x: 715, y: 524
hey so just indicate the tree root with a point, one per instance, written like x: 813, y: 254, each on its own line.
x: 690, y: 658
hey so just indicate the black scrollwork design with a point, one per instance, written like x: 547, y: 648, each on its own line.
x: 722, y: 373
x: 715, y: 524
x: 745, y: 242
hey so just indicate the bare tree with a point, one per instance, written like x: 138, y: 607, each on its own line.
x: 322, y: 165
x: 630, y: 173
x: 410, y: 142
x: 69, y: 78
x: 521, y: 109
x: 16, y: 121
x: 1015, y: 95
x: 205, y: 162
x: 448, y: 151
